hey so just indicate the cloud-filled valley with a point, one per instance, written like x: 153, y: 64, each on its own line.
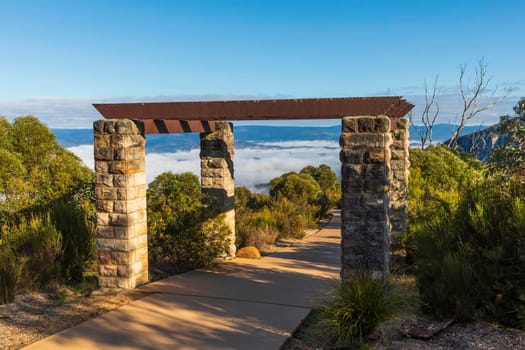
x: 255, y: 165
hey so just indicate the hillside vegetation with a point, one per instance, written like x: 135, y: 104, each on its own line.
x: 46, y: 210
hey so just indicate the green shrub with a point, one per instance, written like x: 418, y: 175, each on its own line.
x: 470, y: 262
x: 182, y: 231
x: 11, y: 268
x: 36, y: 242
x: 354, y: 309
x: 293, y: 218
x: 74, y: 218
x: 438, y: 179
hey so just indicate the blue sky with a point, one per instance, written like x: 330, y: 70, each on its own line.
x: 58, y: 57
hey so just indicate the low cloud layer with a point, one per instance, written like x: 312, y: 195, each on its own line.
x: 254, y: 166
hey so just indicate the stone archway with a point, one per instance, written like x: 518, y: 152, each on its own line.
x: 374, y: 156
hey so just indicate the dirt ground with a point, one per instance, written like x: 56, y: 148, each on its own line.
x: 37, y: 315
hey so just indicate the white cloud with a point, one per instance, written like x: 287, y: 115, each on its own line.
x: 253, y: 165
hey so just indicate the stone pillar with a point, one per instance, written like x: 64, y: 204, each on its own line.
x: 217, y: 178
x: 120, y: 191
x: 365, y: 156
x: 399, y: 186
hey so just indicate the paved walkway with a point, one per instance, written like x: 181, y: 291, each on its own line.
x: 241, y: 304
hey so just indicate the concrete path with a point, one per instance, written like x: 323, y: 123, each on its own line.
x: 241, y: 304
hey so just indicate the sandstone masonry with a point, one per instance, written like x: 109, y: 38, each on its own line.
x: 399, y: 186
x: 366, y: 177
x: 217, y: 177
x: 120, y: 190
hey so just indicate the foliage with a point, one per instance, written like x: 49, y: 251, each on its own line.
x: 11, y: 268
x: 354, y: 309
x: 74, y: 217
x: 295, y: 203
x: 330, y: 186
x: 510, y: 157
x: 47, y: 226
x: 182, y: 231
x: 30, y: 253
x: 470, y: 261
x: 35, y: 169
x: 296, y: 187
x: 249, y: 252
x: 438, y: 178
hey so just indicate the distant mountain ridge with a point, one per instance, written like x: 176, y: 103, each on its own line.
x: 245, y: 136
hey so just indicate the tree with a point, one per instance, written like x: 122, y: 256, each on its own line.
x: 297, y: 187
x: 330, y: 186
x: 428, y: 116
x: 510, y: 157
x: 473, y: 97
x: 35, y: 170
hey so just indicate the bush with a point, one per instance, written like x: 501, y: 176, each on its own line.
x: 30, y: 252
x: 470, y: 263
x: 182, y: 231
x: 11, y: 268
x: 438, y: 179
x: 354, y: 309
x: 249, y: 252
x: 74, y: 218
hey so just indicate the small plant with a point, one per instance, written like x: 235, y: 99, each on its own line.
x: 354, y: 309
x: 11, y: 268
x: 249, y: 252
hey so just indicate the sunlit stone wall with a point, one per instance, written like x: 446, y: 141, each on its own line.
x: 120, y: 191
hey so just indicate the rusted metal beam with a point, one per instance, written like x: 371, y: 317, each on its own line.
x: 157, y: 116
x: 318, y: 108
x: 162, y: 126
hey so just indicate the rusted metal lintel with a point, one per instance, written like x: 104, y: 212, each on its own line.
x: 162, y: 126
x: 319, y: 108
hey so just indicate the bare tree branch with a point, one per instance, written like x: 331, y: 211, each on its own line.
x: 473, y: 98
x: 428, y: 116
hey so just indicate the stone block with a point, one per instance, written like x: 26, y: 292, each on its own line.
x: 130, y: 153
x: 121, y: 258
x: 376, y: 155
x: 399, y: 154
x: 107, y: 270
x: 104, y: 258
x: 104, y: 205
x: 403, y: 123
x: 350, y: 125
x: 382, y: 124
x: 374, y: 201
x: 365, y: 140
x: 104, y: 180
x: 354, y: 156
x: 351, y: 200
x: 352, y: 185
x: 375, y: 170
x: 367, y: 124
x: 102, y: 141
x: 124, y: 141
x: 400, y: 134
x: 354, y: 217
x: 123, y: 271
x: 350, y: 172
x: 103, y: 154
x: 124, y: 232
x: 372, y: 185
x: 101, y: 167
x: 104, y: 231
x: 102, y: 219
x: 118, y: 245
